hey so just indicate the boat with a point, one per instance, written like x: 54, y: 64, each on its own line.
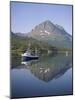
x: 28, y: 56
x: 66, y: 53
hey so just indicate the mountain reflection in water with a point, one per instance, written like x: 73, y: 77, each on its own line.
x: 47, y: 68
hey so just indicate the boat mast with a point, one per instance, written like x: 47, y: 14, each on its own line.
x: 36, y: 51
x: 28, y: 49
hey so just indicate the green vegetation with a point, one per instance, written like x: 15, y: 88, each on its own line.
x: 20, y: 45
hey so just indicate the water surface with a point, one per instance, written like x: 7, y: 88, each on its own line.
x: 48, y: 76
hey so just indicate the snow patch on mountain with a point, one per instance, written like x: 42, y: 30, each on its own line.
x: 47, y: 32
x: 43, y: 32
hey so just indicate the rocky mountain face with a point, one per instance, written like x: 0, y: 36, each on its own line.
x: 52, y: 34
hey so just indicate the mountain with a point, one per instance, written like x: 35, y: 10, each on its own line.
x: 52, y: 34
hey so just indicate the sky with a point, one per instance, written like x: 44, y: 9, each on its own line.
x: 25, y: 16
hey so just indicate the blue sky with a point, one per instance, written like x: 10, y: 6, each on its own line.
x: 25, y: 16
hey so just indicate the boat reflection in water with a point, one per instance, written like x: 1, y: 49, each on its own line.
x: 48, y: 68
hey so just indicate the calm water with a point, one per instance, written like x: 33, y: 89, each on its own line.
x: 49, y: 75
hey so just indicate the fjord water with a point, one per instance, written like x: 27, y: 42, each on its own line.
x: 50, y: 75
